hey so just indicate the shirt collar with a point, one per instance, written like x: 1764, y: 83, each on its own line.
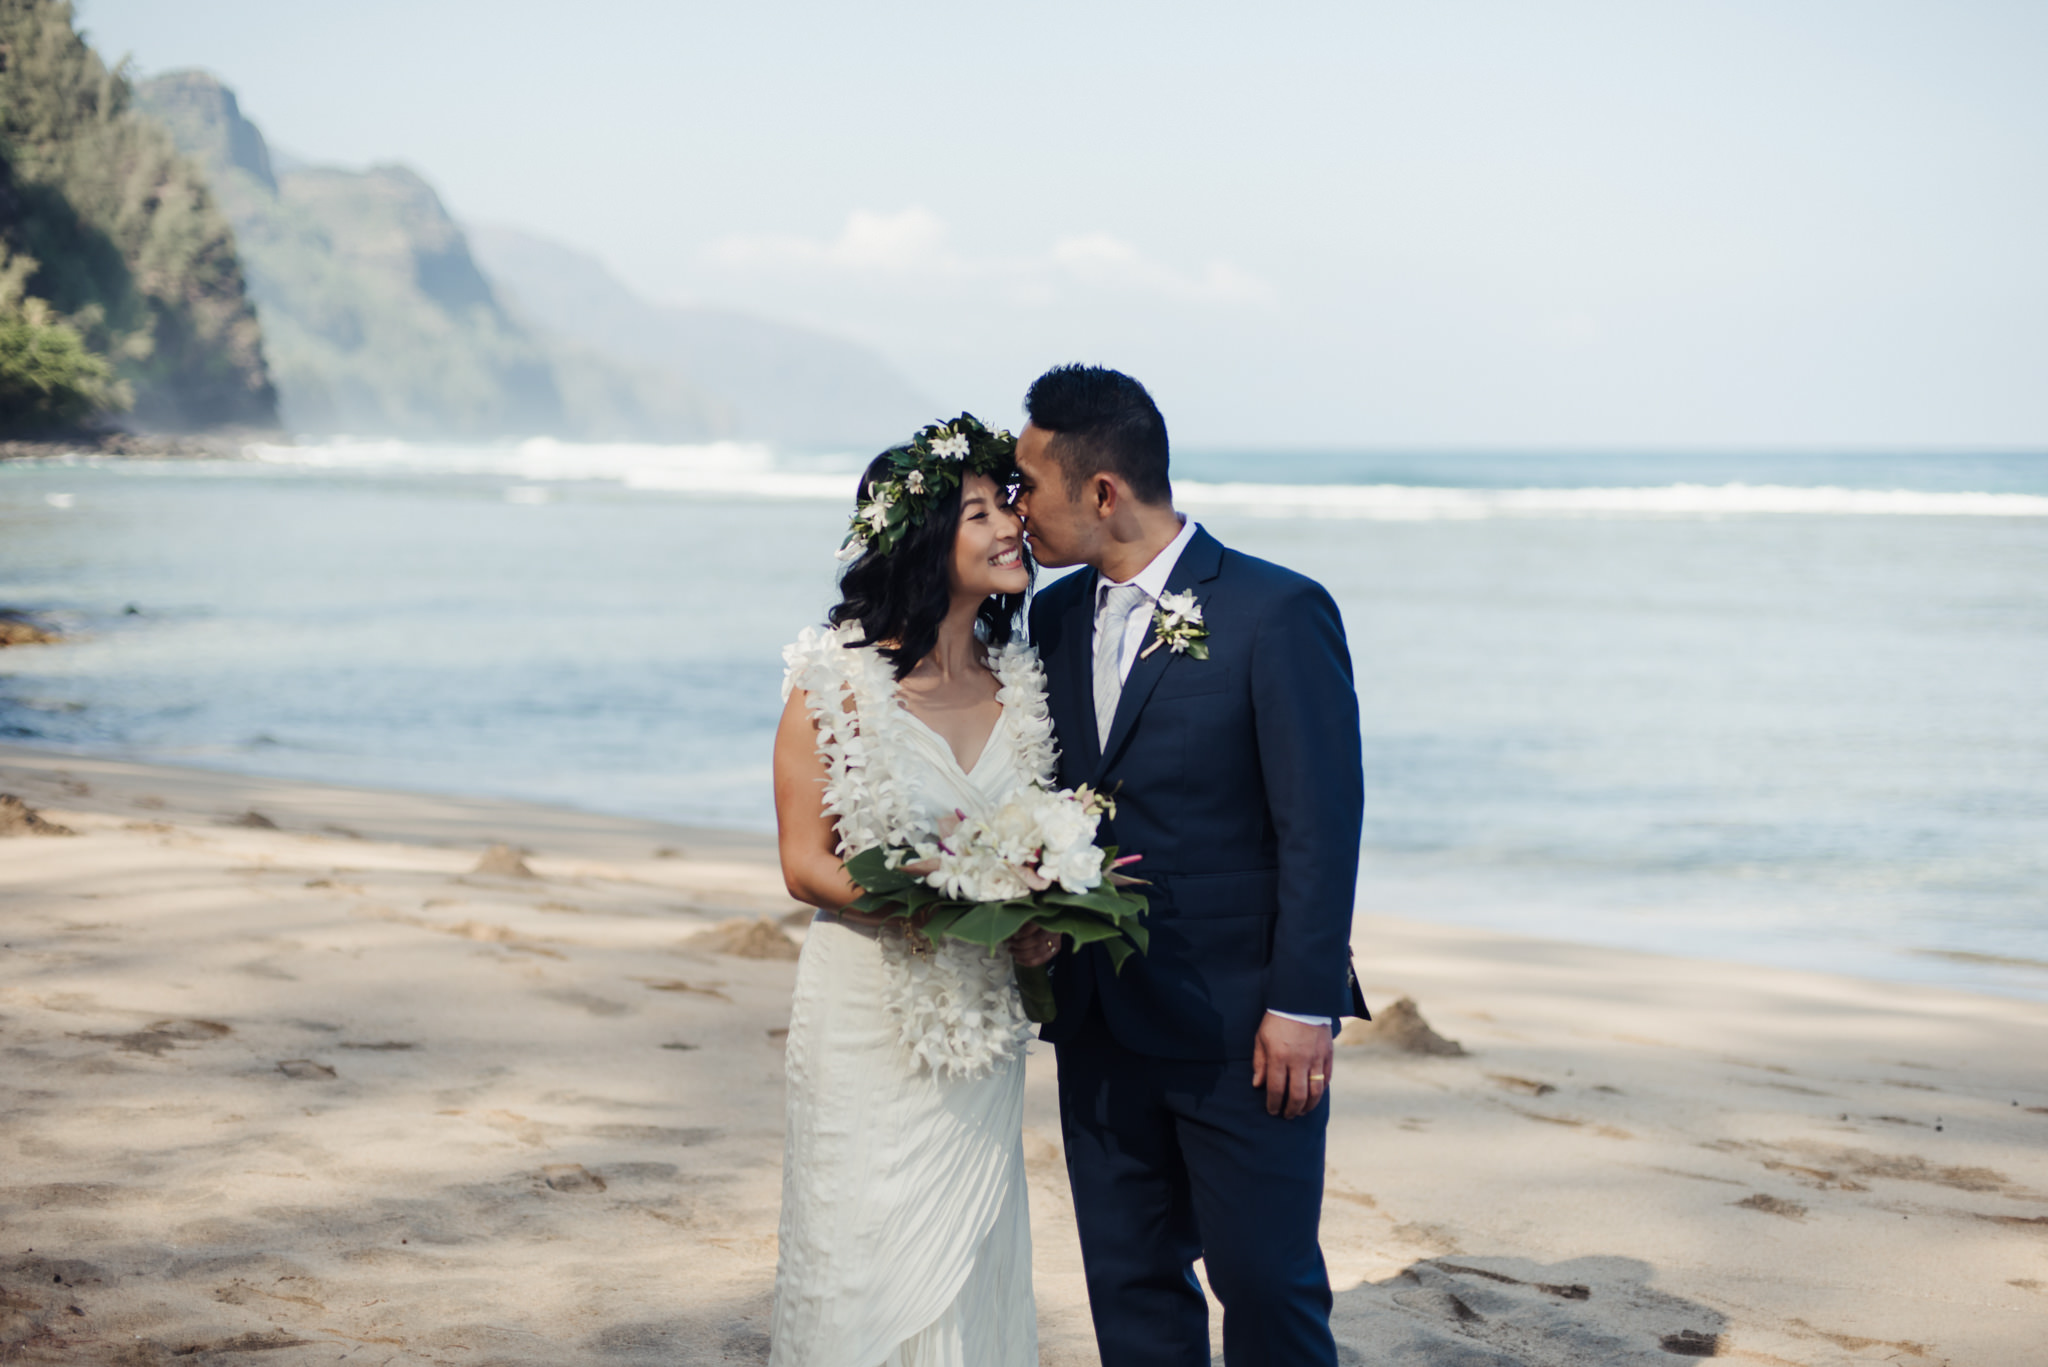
x: 1152, y: 579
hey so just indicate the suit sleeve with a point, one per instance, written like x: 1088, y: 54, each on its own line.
x: 1305, y: 710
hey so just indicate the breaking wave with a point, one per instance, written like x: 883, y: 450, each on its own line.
x: 746, y: 470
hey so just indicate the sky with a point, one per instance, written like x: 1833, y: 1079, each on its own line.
x: 1460, y: 224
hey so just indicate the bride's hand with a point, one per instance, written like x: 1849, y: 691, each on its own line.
x: 1032, y: 947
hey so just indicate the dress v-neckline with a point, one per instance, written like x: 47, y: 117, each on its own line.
x: 988, y: 743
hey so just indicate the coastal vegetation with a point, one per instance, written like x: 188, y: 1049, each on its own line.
x: 120, y: 286
x: 49, y: 379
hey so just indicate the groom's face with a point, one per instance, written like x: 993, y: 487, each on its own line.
x: 1060, y: 526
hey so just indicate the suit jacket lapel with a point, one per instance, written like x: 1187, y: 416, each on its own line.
x: 1075, y: 681
x: 1198, y: 563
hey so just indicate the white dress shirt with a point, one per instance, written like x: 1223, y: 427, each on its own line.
x: 1152, y: 579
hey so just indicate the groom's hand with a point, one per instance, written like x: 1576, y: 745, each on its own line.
x: 1292, y: 1061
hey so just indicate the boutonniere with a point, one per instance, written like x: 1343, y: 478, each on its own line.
x: 1177, y: 625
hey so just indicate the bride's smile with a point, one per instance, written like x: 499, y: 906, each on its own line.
x: 989, y: 556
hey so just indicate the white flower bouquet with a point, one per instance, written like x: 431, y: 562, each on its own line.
x: 1034, y: 859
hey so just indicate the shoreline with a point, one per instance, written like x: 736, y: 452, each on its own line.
x: 537, y: 818
x: 309, y: 1080
x: 226, y: 444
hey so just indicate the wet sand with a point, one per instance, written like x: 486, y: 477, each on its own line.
x: 302, y: 1086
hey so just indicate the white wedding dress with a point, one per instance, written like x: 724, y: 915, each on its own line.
x: 905, y: 1238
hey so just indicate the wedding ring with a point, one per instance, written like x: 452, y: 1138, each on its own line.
x: 1315, y: 1077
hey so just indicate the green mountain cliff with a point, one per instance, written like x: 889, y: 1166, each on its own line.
x: 782, y: 383
x: 120, y: 284
x: 376, y: 319
x: 383, y: 316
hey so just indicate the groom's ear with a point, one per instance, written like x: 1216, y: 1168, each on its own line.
x: 1104, y: 493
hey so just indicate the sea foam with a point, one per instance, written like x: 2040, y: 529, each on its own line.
x: 751, y: 470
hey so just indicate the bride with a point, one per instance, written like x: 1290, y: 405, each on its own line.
x: 905, y: 1237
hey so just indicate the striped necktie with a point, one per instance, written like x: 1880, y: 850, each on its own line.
x: 1110, y: 621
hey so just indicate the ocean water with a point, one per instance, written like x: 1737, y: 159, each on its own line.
x: 1783, y: 709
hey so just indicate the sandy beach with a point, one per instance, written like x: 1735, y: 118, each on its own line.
x: 284, y: 1078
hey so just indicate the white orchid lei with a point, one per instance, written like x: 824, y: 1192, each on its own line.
x: 1177, y: 625
x: 929, y: 467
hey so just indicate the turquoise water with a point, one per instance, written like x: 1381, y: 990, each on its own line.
x: 1790, y: 710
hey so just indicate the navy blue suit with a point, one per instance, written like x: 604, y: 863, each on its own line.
x: 1239, y: 780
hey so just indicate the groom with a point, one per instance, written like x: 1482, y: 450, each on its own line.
x: 1192, y: 1083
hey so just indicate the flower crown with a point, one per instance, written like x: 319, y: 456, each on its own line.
x: 922, y: 472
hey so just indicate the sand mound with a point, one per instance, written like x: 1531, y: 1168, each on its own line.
x: 502, y: 861
x: 1401, y: 1029
x: 18, y: 818
x: 746, y: 938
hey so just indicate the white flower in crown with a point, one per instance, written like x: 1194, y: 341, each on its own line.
x: 851, y: 551
x: 952, y: 446
x: 914, y: 481
x: 1177, y: 625
x: 876, y: 514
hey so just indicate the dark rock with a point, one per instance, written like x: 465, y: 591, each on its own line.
x: 17, y: 629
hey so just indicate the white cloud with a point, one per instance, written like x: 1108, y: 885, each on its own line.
x: 1102, y: 260
x: 915, y: 244
x: 913, y: 241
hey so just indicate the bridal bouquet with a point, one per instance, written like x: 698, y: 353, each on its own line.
x: 1034, y: 859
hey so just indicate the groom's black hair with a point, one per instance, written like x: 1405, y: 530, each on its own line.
x: 900, y: 598
x: 1102, y: 420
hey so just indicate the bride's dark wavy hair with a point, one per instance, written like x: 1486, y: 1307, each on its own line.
x: 899, y: 599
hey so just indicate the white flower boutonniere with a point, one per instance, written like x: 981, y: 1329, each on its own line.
x: 1177, y: 625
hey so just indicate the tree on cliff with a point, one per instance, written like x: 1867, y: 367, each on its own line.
x: 130, y: 255
x: 49, y: 380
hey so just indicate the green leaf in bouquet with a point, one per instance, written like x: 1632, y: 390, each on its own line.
x: 1012, y: 917
x: 985, y: 924
x: 1087, y: 930
x: 942, y: 919
x: 870, y: 868
x: 920, y: 895
x: 1118, y: 950
x: 1060, y: 921
x: 1104, y: 900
